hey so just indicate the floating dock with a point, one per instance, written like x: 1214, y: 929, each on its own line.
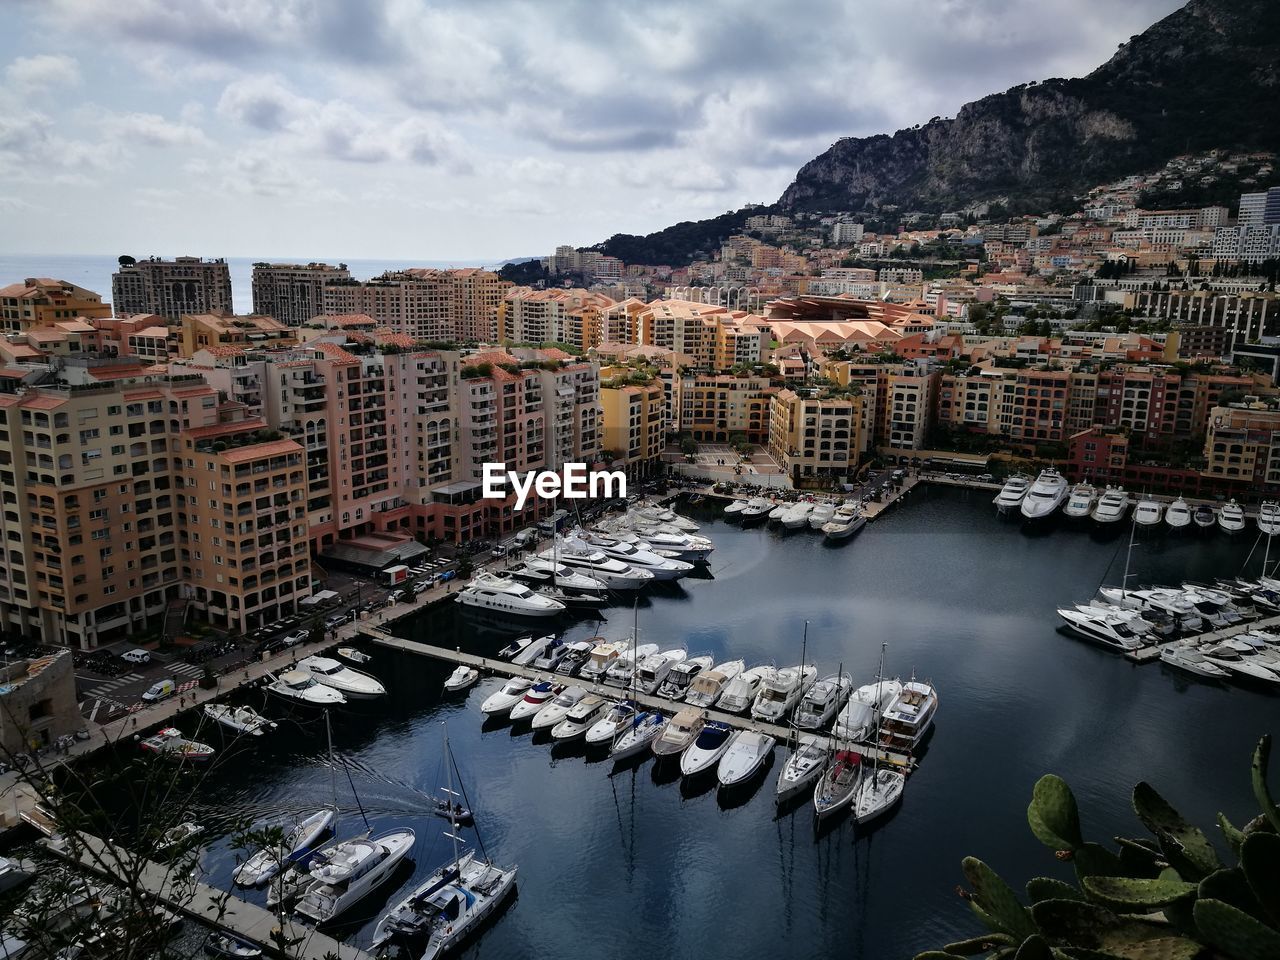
x: 648, y: 701
x: 1152, y: 653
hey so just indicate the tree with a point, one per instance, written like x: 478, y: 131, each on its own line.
x: 688, y: 445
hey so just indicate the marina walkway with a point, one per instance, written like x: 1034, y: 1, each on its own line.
x: 1151, y: 654
x: 649, y: 702
x: 206, y: 904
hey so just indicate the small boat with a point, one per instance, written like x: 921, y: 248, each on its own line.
x: 1204, y: 517
x: 170, y: 744
x: 534, y: 699
x: 653, y: 669
x: 575, y: 657
x: 531, y: 649
x: 735, y: 507
x: 756, y: 509
x: 879, y: 791
x: 842, y: 528
x: 502, y: 700
x: 346, y: 872
x: 838, y: 785
x: 797, y: 515
x: 708, y: 685
x: 580, y: 718
x: 1045, y: 495
x: 179, y: 835
x: 606, y: 729
x: 1111, y: 506
x: 1231, y: 517
x: 224, y: 945
x: 1147, y: 513
x: 298, y: 686
x: 338, y: 676
x: 776, y: 513
x: 803, y: 766
x: 781, y: 690
x: 1012, y: 493
x: 1178, y: 516
x: 623, y: 667
x: 353, y: 655
x: 294, y: 845
x: 638, y: 735
x: 514, y: 647
x: 558, y: 707
x: 856, y: 721
x: 741, y: 690
x: 448, y: 804
x: 602, y: 656
x: 551, y: 655
x: 461, y: 678
x: 821, y: 515
x: 707, y: 748
x: 240, y: 719
x: 1269, y: 517
x: 822, y: 700
x: 744, y: 756
x: 910, y: 717
x: 680, y: 732
x: 680, y: 679
x: 1080, y: 503
x: 1191, y: 660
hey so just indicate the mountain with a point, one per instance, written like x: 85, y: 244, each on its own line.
x: 1207, y: 75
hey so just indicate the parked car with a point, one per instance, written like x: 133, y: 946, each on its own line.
x: 297, y: 636
x: 336, y: 620
x: 421, y: 585
x: 136, y: 655
x: 448, y: 575
x: 159, y: 690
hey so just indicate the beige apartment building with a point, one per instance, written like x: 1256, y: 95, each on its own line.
x: 40, y: 301
x: 714, y: 337
x: 432, y: 306
x: 633, y: 420
x: 1243, y: 443
x: 293, y: 293
x: 171, y: 287
x: 225, y: 329
x: 716, y: 408
x: 573, y: 317
x: 812, y: 437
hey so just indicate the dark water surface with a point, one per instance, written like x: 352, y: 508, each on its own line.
x: 638, y: 864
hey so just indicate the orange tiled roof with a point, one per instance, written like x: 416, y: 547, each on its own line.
x: 256, y: 451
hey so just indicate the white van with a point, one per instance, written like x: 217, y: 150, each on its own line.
x: 136, y: 655
x: 159, y: 690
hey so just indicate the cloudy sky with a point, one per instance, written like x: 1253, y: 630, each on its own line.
x: 468, y: 129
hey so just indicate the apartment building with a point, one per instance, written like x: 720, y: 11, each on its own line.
x: 909, y: 396
x: 293, y: 293
x: 714, y: 408
x: 1242, y: 443
x: 225, y: 329
x: 632, y: 415
x: 812, y: 436
x: 40, y: 301
x: 171, y: 288
x: 574, y: 317
x: 714, y: 337
x: 432, y: 306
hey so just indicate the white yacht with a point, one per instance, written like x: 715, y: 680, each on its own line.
x: 682, y: 675
x: 551, y: 655
x: 240, y: 719
x: 707, y: 749
x: 581, y: 717
x: 744, y: 756
x: 508, y: 597
x: 780, y: 691
x: 839, y: 783
x: 607, y: 728
x: 877, y: 794
x: 662, y: 568
x: 757, y: 508
x: 558, y: 707
x: 335, y: 674
x: 660, y: 514
x: 1269, y: 517
x: 805, y: 764
x: 502, y: 700
x: 777, y: 512
x: 909, y: 717
x: 534, y: 699
x: 1231, y: 517
x: 461, y: 678
x: 1012, y: 493
x: 623, y: 666
x: 1204, y: 517
x: 1233, y: 661
x: 1178, y: 516
x: 346, y: 872
x: 797, y: 516
x: 857, y: 720
x: 1111, y: 506
x: 686, y: 546
x: 602, y: 656
x: 734, y: 508
x: 653, y: 669
x: 1045, y: 495
x: 708, y: 685
x: 822, y: 700
x: 638, y: 735
x: 299, y: 686
x: 531, y: 649
x: 541, y: 572
x: 1110, y: 631
x: 821, y: 515
x: 741, y: 690
x: 265, y: 863
x: 610, y: 571
x: 680, y: 732
x: 1188, y: 658
x: 1147, y: 512
x: 1080, y: 503
x: 843, y: 527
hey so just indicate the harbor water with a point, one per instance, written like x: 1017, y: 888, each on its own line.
x: 634, y: 862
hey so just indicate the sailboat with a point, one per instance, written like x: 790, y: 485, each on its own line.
x: 880, y: 788
x: 643, y: 728
x: 452, y: 902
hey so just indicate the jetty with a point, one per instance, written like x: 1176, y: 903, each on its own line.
x: 503, y: 668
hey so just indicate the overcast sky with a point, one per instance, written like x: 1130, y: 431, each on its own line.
x: 442, y: 129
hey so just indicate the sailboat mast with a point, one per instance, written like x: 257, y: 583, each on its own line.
x: 879, y: 681
x: 453, y: 817
x: 333, y: 777
x: 1124, y: 584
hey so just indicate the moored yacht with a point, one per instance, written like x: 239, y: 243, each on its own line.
x: 502, y: 700
x: 265, y: 863
x: 581, y: 717
x: 541, y: 572
x: 822, y: 700
x: 1147, y: 512
x: 879, y: 791
x: 843, y: 526
x: 1269, y: 517
x: 857, y: 720
x: 606, y: 729
x: 781, y: 690
x: 345, y: 873
x: 708, y: 685
x: 623, y: 666
x: 741, y: 690
x: 602, y: 656
x: 638, y: 735
x: 1231, y: 517
x: 653, y: 669
x: 743, y: 758
x: 505, y: 596
x: 757, y: 508
x: 1178, y: 516
x: 707, y: 748
x: 679, y: 732
x: 534, y: 699
x: 1080, y: 502
x: 240, y: 719
x: 909, y: 717
x: 1188, y: 658
x: 335, y: 674
x: 662, y: 568
x: 678, y: 682
x: 613, y: 573
x: 797, y: 516
x: 821, y: 515
x: 1111, y: 506
x: 1203, y: 517
x: 1045, y: 495
x: 170, y: 744
x: 1113, y: 632
x: 686, y: 546
x: 839, y: 783
x: 660, y: 514
x: 299, y: 686
x: 804, y: 765
x: 1012, y: 493
x: 558, y: 707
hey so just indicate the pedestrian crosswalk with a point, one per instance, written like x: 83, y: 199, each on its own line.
x: 103, y: 689
x: 185, y: 669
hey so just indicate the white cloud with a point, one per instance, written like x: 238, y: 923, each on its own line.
x: 153, y: 130
x: 44, y: 71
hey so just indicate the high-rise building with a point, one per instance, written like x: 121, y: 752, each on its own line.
x: 39, y: 301
x: 293, y: 293
x: 171, y: 288
x: 1259, y: 209
x: 428, y: 305
x: 632, y: 406
x: 574, y: 316
x: 814, y: 436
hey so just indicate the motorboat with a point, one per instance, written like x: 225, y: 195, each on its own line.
x: 515, y: 647
x: 1188, y: 658
x: 821, y: 515
x: 299, y: 686
x: 14, y: 872
x: 502, y: 700
x: 757, y: 508
x: 838, y: 785
x: 1178, y: 516
x: 1147, y: 513
x: 558, y: 707
x: 602, y: 656
x: 461, y: 678
x: 662, y: 568
x: 447, y: 906
x: 857, y: 720
x: 534, y: 699
x: 508, y: 597
x: 880, y: 790
x: 352, y: 684
x: 842, y: 528
x: 610, y: 571
x: 179, y: 835
x: 224, y: 945
x: 576, y: 656
x: 686, y: 546
x: 1045, y: 495
x: 1269, y: 517
x: 734, y: 508
x: 171, y: 745
x: 805, y: 764
x: 345, y: 873
x: 543, y: 572
x: 1111, y: 506
x: 266, y: 862
x: 532, y: 649
x: 549, y: 659
x: 781, y: 690
x: 708, y: 685
x: 777, y: 512
x: 574, y: 601
x: 580, y: 718
x: 1237, y: 663
x: 623, y: 666
x: 707, y: 748
x: 744, y: 756
x: 240, y: 719
x: 680, y: 732
x: 1080, y: 503
x: 660, y: 514
x: 1012, y: 493
x: 1231, y: 517
x: 1110, y: 631
x: 907, y: 720
x: 1148, y: 625
x: 740, y: 691
x: 822, y: 700
x: 653, y: 669
x: 1203, y: 517
x: 797, y: 516
x: 353, y: 655
x: 637, y: 735
x: 681, y: 676
x: 607, y: 728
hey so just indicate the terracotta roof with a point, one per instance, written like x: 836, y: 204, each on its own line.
x: 257, y: 451
x: 334, y: 352
x: 222, y: 429
x: 117, y: 373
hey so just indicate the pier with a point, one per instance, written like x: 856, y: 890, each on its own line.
x: 649, y: 702
x: 1152, y: 653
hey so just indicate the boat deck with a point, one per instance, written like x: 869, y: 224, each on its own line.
x: 647, y: 701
